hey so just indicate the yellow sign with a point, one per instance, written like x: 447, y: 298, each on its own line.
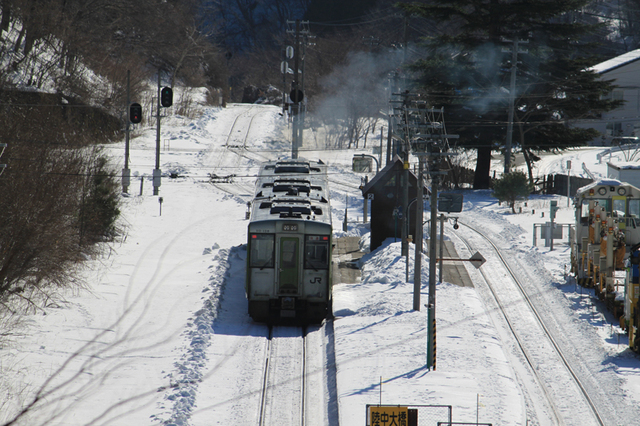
x: 388, y: 416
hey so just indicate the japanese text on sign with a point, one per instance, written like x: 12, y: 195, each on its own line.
x: 388, y: 416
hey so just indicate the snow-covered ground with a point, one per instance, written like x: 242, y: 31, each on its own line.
x: 161, y: 334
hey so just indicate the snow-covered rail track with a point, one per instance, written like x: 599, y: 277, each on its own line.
x: 284, y: 386
x: 226, y: 160
x: 564, y: 389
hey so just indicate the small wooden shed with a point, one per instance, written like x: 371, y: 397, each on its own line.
x: 384, y: 192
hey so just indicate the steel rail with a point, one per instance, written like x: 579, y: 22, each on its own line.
x: 265, y: 379
x: 540, y: 321
x: 270, y: 377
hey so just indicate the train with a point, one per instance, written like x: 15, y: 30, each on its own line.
x: 290, y: 243
x: 605, y: 249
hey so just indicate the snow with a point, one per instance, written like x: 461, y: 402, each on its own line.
x: 616, y: 62
x: 161, y: 334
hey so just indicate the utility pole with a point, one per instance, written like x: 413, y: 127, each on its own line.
x: 429, y: 142
x: 512, y: 99
x: 417, y: 273
x: 297, y: 94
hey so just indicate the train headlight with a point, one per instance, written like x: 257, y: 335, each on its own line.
x: 602, y: 190
x: 622, y: 191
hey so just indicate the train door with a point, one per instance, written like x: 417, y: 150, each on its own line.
x: 288, y: 265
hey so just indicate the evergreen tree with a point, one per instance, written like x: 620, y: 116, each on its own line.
x: 468, y: 72
x: 512, y: 187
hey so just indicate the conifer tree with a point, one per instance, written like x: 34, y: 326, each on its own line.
x: 512, y: 187
x: 467, y: 70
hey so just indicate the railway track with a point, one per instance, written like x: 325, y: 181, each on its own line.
x: 226, y: 160
x: 283, y: 396
x: 564, y: 389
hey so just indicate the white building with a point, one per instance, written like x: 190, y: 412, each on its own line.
x: 623, y: 122
x: 625, y: 172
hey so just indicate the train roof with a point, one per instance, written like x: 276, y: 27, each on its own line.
x: 292, y: 168
x: 292, y: 190
x: 314, y: 187
x: 602, y: 182
x: 291, y: 208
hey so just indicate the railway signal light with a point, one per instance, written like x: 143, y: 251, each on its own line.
x: 166, y: 97
x: 135, y: 113
x: 296, y: 96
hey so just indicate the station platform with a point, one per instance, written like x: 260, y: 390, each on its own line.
x: 454, y: 272
x: 346, y: 255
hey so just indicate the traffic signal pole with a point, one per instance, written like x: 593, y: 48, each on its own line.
x: 126, y: 173
x: 157, y: 173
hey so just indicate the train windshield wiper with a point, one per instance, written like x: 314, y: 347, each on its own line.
x: 266, y: 264
x: 311, y: 262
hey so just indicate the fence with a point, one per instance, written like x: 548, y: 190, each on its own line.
x: 562, y: 233
x: 557, y: 184
x: 467, y: 424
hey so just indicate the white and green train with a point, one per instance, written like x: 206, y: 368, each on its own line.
x: 289, y: 245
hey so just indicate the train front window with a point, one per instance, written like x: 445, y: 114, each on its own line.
x: 634, y: 208
x: 316, y: 252
x: 619, y: 207
x: 262, y: 246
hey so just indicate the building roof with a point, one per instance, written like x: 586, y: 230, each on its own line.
x: 617, y: 62
x: 383, y: 174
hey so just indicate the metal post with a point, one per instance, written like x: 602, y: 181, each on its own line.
x: 388, y: 142
x: 156, y: 171
x: 417, y: 274
x: 126, y: 173
x: 431, y: 326
x: 431, y: 337
x: 568, y: 181
x: 551, y: 228
x: 405, y: 205
x: 296, y: 103
x: 442, y: 218
x: 381, y: 145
